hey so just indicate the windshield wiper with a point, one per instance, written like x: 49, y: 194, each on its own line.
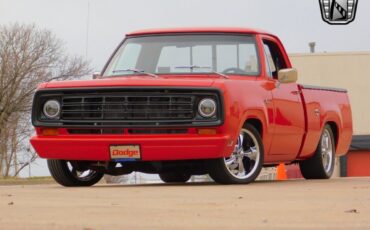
x: 135, y: 71
x: 192, y: 67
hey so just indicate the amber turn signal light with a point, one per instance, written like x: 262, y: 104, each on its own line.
x: 206, y: 131
x: 49, y: 132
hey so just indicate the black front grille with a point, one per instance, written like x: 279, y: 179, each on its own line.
x: 120, y: 107
x: 127, y: 107
x: 95, y: 131
x: 157, y: 131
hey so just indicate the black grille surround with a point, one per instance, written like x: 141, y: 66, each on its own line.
x: 127, y: 107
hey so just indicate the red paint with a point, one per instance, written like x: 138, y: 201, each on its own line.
x: 153, y: 147
x: 290, y: 127
x: 198, y: 30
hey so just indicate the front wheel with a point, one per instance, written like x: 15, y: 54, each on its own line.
x: 245, y: 162
x: 321, y: 164
x: 73, y: 173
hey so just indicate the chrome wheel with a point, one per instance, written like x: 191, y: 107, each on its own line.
x: 73, y: 173
x: 80, y: 173
x: 244, y: 161
x: 321, y: 164
x: 326, y: 151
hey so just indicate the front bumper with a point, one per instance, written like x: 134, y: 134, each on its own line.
x: 153, y: 147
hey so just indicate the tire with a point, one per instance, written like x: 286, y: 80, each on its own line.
x: 174, y: 177
x: 321, y: 164
x: 244, y: 164
x: 72, y: 173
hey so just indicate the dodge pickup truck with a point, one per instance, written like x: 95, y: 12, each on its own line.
x: 190, y: 101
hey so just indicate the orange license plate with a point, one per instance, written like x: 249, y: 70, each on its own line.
x: 125, y: 152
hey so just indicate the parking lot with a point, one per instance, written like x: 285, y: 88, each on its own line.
x: 342, y: 203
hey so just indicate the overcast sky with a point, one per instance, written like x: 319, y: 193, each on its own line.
x: 296, y: 22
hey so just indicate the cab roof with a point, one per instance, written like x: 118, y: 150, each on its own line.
x: 238, y: 30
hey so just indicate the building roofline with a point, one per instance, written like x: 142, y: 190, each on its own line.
x: 343, y: 53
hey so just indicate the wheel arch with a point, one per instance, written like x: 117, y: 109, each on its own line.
x: 256, y: 123
x: 334, y: 128
x: 257, y: 118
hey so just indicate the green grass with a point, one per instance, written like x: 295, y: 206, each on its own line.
x: 26, y: 181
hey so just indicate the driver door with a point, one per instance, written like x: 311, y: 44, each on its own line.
x: 288, y: 118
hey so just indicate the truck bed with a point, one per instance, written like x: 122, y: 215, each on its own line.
x: 323, y: 104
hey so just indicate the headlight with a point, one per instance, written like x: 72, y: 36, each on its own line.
x: 51, y: 109
x: 207, y: 107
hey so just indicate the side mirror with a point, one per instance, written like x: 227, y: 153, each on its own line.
x: 96, y: 75
x: 288, y: 75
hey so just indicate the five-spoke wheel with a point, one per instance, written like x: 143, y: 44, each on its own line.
x: 245, y: 162
x: 327, y: 150
x: 321, y: 164
x: 73, y: 173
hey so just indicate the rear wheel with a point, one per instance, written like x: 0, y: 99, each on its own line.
x: 321, y: 164
x: 73, y: 173
x: 245, y: 162
x: 174, y: 177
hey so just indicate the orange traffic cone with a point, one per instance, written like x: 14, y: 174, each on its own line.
x: 281, y: 172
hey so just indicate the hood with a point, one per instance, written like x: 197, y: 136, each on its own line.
x: 178, y: 80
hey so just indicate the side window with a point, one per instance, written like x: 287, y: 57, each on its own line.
x: 270, y: 66
x: 274, y: 58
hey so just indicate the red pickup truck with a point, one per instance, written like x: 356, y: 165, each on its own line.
x: 182, y: 102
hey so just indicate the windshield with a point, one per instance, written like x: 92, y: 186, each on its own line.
x: 180, y: 54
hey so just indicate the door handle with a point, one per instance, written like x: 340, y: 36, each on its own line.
x: 296, y: 92
x: 267, y: 101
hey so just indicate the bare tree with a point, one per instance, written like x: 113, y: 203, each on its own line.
x: 16, y: 150
x: 28, y: 57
